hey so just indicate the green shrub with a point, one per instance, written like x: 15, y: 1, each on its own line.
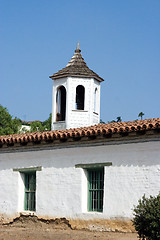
x: 147, y: 218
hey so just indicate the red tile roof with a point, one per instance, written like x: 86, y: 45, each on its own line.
x: 100, y: 129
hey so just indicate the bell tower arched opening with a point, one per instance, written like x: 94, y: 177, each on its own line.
x: 95, y: 100
x: 61, y: 104
x: 80, y: 93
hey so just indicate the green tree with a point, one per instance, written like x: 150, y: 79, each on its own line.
x: 101, y: 121
x: 47, y: 123
x: 141, y: 114
x: 113, y: 121
x: 41, y: 126
x: 8, y: 125
x: 119, y: 119
x: 147, y: 218
x: 36, y: 126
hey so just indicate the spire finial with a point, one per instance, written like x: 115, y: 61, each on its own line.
x: 78, y: 45
x: 77, y: 49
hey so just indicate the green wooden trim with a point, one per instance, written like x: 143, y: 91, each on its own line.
x: 30, y: 169
x: 93, y: 165
x: 95, y: 189
x: 30, y: 191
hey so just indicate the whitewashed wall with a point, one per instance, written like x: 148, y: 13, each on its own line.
x: 56, y: 85
x: 62, y: 188
x: 77, y: 118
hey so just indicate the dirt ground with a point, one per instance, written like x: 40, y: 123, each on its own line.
x: 19, y: 233
x: 34, y: 229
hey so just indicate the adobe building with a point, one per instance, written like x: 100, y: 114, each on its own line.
x: 89, y: 173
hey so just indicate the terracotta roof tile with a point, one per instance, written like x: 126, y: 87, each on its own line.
x: 99, y: 129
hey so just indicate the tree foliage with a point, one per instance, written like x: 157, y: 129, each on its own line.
x: 41, y: 126
x: 47, y: 123
x: 119, y: 119
x: 8, y: 125
x: 36, y: 126
x: 101, y: 121
x: 141, y: 114
x: 147, y: 218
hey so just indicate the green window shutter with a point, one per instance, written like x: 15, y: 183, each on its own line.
x: 95, y: 189
x: 30, y: 191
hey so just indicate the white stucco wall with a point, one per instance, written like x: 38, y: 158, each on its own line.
x: 56, y: 85
x: 62, y: 188
x: 77, y: 118
x: 24, y: 128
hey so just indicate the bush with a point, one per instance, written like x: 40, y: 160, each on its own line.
x: 147, y: 218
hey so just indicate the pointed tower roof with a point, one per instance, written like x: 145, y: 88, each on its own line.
x: 76, y: 68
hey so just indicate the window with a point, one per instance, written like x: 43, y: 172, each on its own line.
x: 30, y: 191
x: 95, y: 100
x: 27, y: 183
x: 95, y: 189
x: 80, y: 91
x: 61, y: 104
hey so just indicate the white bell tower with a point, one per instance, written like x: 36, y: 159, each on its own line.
x: 76, y: 95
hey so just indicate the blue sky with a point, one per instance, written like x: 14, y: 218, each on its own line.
x: 119, y: 39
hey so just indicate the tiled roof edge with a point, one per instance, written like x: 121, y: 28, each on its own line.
x: 76, y: 75
x: 122, y: 128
